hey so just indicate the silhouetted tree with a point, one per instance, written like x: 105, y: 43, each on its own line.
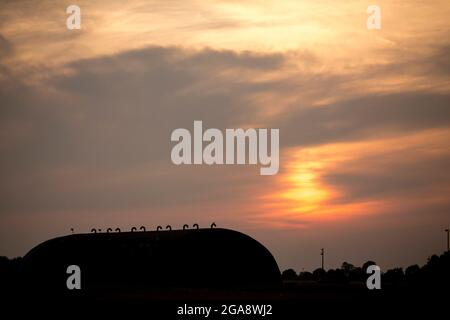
x: 436, y: 270
x: 394, y: 275
x: 336, y: 276
x: 319, y: 274
x: 9, y: 271
x: 347, y: 267
x: 305, y: 276
x: 367, y: 264
x: 289, y: 274
x: 412, y: 272
x: 356, y: 274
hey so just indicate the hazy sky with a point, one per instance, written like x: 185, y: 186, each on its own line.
x: 364, y: 119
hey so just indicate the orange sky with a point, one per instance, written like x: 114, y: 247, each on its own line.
x: 363, y: 117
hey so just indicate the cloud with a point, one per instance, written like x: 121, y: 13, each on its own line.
x: 366, y: 117
x: 6, y: 47
x: 85, y: 123
x: 398, y: 170
x: 96, y: 135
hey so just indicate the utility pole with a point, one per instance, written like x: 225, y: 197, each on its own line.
x: 448, y: 244
x: 322, y: 254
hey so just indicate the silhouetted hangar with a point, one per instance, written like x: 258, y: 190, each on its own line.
x: 193, y: 258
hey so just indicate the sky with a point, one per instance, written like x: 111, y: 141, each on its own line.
x: 364, y: 118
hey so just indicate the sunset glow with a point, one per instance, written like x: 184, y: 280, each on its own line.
x: 305, y: 191
x: 363, y: 117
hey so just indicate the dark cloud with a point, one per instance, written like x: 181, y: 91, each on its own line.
x: 365, y: 117
x: 6, y: 47
x: 98, y: 136
x: 111, y: 118
x: 409, y: 173
x: 404, y: 60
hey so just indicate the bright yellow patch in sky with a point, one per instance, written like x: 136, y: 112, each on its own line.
x: 303, y: 193
x: 304, y: 189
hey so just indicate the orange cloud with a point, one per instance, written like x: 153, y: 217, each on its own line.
x: 303, y: 193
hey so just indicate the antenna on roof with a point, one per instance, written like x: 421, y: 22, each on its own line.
x: 322, y: 254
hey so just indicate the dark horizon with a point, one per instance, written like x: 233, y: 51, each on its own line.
x: 166, y: 270
x: 284, y: 268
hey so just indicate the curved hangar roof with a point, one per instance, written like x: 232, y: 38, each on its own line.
x: 210, y: 258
